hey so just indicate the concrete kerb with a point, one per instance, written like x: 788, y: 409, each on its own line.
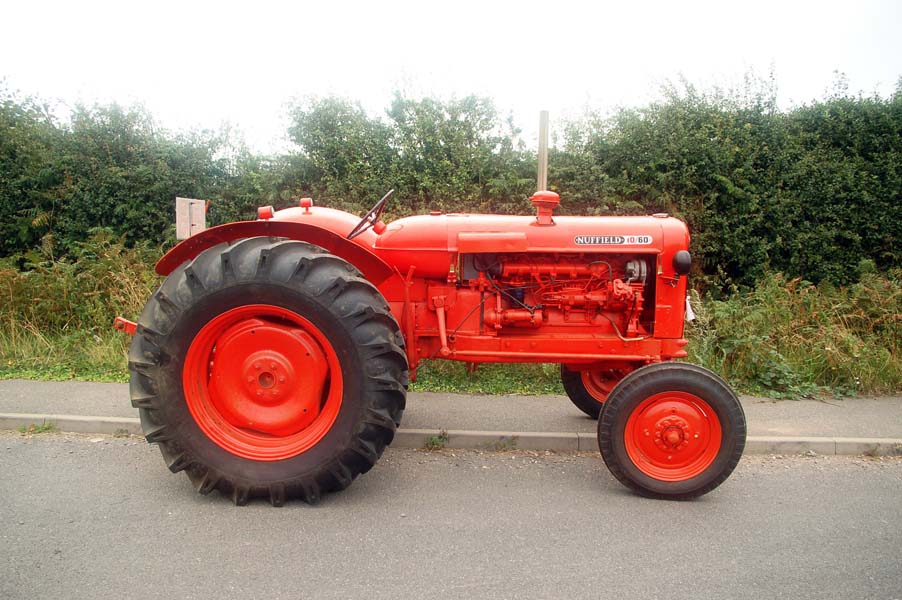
x: 488, y: 440
x: 494, y: 440
x: 73, y: 423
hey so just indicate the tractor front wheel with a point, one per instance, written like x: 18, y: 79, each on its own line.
x: 672, y: 430
x: 268, y: 368
x: 588, y: 389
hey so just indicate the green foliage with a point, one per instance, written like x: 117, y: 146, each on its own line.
x: 809, y: 192
x: 28, y: 179
x: 108, y: 167
x: 255, y: 180
x: 78, y: 295
x: 436, y: 154
x: 812, y: 193
x: 56, y: 316
x: 29, y: 353
x: 349, y: 154
x: 846, y: 183
x: 790, y: 337
x: 452, y: 377
x: 34, y: 428
x: 457, y: 152
x: 436, y: 442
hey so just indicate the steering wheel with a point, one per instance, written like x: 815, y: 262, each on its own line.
x: 371, y: 217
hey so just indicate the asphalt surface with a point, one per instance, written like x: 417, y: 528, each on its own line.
x: 851, y: 417
x: 100, y: 517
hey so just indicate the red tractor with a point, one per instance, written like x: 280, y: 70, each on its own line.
x: 274, y: 359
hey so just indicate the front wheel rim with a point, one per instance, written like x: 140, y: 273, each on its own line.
x: 673, y: 436
x: 598, y: 383
x: 262, y: 382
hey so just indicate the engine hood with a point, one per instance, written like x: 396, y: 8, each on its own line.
x: 427, y: 241
x: 458, y: 232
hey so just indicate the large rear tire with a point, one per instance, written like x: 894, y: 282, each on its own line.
x: 268, y: 368
x: 672, y: 430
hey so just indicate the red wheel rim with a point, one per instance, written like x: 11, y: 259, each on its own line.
x: 673, y: 436
x: 598, y: 384
x: 262, y: 382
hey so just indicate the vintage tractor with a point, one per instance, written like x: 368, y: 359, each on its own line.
x: 273, y: 361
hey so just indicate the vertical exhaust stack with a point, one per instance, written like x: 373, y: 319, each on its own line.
x: 544, y: 201
x: 543, y: 152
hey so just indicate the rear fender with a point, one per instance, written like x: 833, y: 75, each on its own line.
x: 373, y: 268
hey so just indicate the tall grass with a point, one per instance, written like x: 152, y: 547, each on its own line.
x: 784, y: 338
x: 789, y: 337
x: 56, y: 315
x: 80, y: 294
x: 27, y: 353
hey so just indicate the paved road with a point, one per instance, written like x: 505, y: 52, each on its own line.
x: 851, y: 417
x: 105, y: 519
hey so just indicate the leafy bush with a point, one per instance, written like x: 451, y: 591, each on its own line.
x: 81, y: 292
x: 809, y: 192
x: 790, y: 337
x: 56, y: 315
x: 812, y: 193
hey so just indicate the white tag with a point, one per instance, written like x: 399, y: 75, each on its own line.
x: 690, y: 316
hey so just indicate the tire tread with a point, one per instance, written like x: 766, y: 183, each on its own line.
x: 325, y: 279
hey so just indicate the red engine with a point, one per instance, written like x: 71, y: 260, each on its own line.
x: 532, y: 290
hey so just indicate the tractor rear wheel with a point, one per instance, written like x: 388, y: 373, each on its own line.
x: 672, y: 430
x: 589, y: 389
x: 268, y: 368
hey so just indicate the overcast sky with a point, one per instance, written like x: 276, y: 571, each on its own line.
x: 203, y: 63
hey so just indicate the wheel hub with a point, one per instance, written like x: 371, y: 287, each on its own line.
x: 599, y: 383
x: 672, y: 436
x: 260, y: 382
x: 267, y: 375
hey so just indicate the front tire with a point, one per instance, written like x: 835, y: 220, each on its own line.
x: 268, y: 368
x: 588, y: 389
x: 672, y: 430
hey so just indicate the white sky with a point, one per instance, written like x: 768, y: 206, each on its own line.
x: 203, y: 63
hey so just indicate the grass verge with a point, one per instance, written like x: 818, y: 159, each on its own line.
x: 28, y: 353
